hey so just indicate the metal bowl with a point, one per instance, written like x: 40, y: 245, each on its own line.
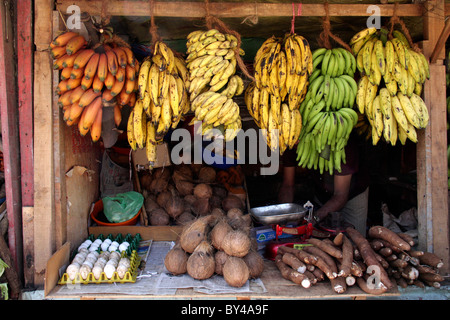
x: 279, y: 213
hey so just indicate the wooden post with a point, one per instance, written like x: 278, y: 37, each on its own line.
x: 432, y: 145
x: 10, y: 132
x: 44, y: 208
x: 25, y: 99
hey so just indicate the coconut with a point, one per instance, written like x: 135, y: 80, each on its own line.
x: 174, y: 205
x: 190, y: 198
x: 163, y: 197
x: 176, y: 260
x: 201, y: 263
x: 220, y: 191
x: 201, y: 207
x: 236, y: 243
x: 255, y: 263
x: 162, y: 173
x: 235, y: 272
x: 184, y: 218
x: 159, y: 217
x: 231, y: 202
x: 207, y: 174
x: 150, y: 204
x: 234, y: 213
x: 220, y: 258
x: 146, y: 180
x: 182, y: 179
x: 218, y: 233
x: 215, y: 202
x: 202, y: 191
x: 194, y: 233
x: 158, y: 185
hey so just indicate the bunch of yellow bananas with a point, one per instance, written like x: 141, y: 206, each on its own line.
x: 326, y: 111
x: 162, y: 98
x: 280, y: 125
x: 391, y: 84
x: 213, y: 83
x: 393, y: 116
x: 282, y: 67
x: 87, y: 74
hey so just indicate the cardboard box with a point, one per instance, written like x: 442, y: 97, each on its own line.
x: 162, y: 157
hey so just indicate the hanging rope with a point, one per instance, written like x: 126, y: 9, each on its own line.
x: 326, y: 34
x: 395, y: 19
x: 153, y: 27
x: 299, y: 13
x: 213, y: 22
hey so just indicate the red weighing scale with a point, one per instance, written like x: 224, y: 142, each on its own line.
x: 281, y: 214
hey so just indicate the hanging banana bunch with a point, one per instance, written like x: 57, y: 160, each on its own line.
x: 162, y: 99
x: 327, y: 110
x: 91, y: 77
x: 282, y: 67
x: 211, y: 62
x: 389, y: 90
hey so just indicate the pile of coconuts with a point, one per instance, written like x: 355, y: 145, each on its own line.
x: 218, y: 243
x: 176, y: 195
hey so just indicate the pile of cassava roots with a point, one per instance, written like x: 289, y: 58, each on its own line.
x: 218, y: 243
x: 376, y: 263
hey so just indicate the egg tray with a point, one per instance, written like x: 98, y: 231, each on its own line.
x: 129, y: 277
x: 133, y: 241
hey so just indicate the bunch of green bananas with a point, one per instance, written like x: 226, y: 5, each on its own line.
x: 162, y: 98
x: 391, y: 60
x: 392, y: 116
x: 392, y: 75
x: 211, y: 62
x: 323, y: 139
x: 282, y: 67
x: 327, y: 112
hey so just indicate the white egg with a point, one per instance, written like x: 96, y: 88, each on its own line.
x: 121, y: 271
x: 98, y: 241
x: 107, y: 240
x: 97, y: 271
x: 115, y: 255
x: 104, y: 246
x: 83, y: 250
x: 115, y: 243
x: 93, y: 248
x: 125, y: 262
x: 72, y: 270
x: 104, y: 254
x: 122, y: 248
x: 85, y: 269
x: 112, y: 248
x: 109, y: 270
x: 88, y: 263
x: 87, y: 242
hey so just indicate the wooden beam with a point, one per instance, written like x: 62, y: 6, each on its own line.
x: 10, y: 132
x: 25, y: 104
x: 432, y: 145
x: 44, y: 207
x: 441, y: 42
x: 233, y: 9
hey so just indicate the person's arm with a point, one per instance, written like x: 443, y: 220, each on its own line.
x: 339, y: 198
x: 286, y: 192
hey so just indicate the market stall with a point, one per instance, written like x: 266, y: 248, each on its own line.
x: 100, y: 119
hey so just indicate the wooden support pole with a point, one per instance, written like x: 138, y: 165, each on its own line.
x: 432, y: 145
x: 44, y: 208
x: 25, y: 100
x: 10, y: 132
